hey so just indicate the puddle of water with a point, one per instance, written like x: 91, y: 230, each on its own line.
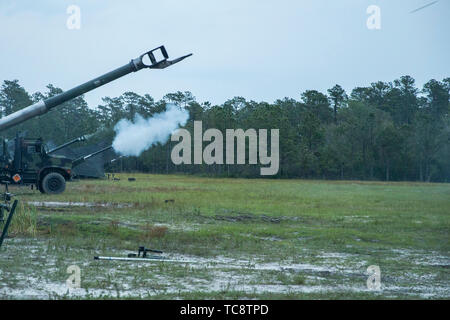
x: 429, y: 258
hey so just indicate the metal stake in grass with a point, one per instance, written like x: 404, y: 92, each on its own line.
x: 144, y: 257
x: 148, y: 259
x: 6, y: 207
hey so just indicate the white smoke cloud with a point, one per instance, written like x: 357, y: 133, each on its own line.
x: 132, y: 138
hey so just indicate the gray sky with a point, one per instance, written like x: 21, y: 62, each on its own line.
x: 261, y: 50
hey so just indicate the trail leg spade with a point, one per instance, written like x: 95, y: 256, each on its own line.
x: 8, y: 221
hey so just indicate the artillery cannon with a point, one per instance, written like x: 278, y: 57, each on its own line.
x: 31, y: 164
x: 50, y: 172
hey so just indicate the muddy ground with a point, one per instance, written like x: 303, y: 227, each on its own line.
x: 37, y: 269
x: 230, y: 238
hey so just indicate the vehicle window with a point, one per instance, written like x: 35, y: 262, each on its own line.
x: 32, y: 149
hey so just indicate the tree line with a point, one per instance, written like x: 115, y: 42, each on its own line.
x: 389, y: 131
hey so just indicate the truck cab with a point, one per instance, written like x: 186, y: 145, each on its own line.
x: 28, y: 163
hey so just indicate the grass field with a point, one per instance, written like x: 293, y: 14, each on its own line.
x: 290, y: 239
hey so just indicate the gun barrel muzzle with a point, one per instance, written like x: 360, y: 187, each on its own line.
x: 79, y: 139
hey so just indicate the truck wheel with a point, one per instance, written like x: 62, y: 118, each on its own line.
x: 53, y: 183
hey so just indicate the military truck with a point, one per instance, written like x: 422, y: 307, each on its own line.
x: 27, y: 161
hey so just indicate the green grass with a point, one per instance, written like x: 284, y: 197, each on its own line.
x: 338, y: 227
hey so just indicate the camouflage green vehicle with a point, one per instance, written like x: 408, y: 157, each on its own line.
x: 28, y: 162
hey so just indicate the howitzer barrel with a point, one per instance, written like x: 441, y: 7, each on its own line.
x: 79, y: 139
x: 80, y: 160
x: 47, y: 104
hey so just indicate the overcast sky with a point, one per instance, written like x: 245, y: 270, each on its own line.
x: 261, y: 50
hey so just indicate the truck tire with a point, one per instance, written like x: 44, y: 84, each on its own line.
x: 53, y: 183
